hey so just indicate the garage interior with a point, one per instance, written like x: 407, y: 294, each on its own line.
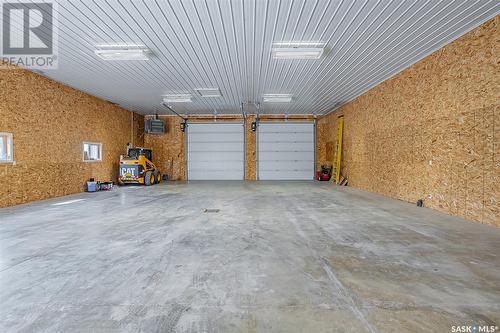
x: 234, y: 108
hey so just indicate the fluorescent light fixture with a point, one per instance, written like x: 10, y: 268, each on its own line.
x: 177, y: 98
x: 277, y: 98
x: 297, y: 53
x: 298, y: 50
x: 122, y: 52
x: 209, y: 92
x: 298, y: 44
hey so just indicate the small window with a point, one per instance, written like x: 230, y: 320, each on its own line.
x: 6, y: 148
x: 92, y: 151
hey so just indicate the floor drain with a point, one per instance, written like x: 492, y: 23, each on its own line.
x: 211, y: 210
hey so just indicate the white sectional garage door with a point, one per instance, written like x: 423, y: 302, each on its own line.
x: 215, y: 151
x: 285, y: 151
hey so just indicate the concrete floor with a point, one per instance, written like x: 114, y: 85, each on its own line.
x: 277, y: 257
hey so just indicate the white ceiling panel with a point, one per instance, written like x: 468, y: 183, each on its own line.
x: 227, y: 44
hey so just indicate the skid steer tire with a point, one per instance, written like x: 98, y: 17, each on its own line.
x: 148, y: 178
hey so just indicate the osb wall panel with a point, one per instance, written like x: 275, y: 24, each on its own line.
x: 169, y: 152
x: 429, y: 132
x: 251, y: 150
x: 168, y: 149
x: 138, y: 130
x: 49, y: 122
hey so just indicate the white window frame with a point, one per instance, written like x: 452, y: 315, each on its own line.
x: 10, y: 148
x: 95, y: 144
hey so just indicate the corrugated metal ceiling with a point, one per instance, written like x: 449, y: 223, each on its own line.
x: 227, y: 44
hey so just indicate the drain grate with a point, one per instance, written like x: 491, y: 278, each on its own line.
x: 211, y: 210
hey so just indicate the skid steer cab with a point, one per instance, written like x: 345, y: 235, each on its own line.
x: 137, y: 168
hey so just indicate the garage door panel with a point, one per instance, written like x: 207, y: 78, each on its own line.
x: 279, y: 127
x: 214, y: 175
x: 286, y: 165
x: 287, y: 146
x: 285, y: 137
x: 215, y: 151
x: 215, y: 137
x: 285, y: 155
x: 211, y: 156
x: 285, y: 151
x: 214, y: 127
x: 211, y: 166
x: 289, y: 175
x: 215, y: 147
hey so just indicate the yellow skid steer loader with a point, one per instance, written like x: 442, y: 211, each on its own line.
x: 137, y: 168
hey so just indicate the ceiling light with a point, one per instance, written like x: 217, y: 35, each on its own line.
x: 297, y: 53
x: 209, y: 92
x: 277, y: 98
x: 122, y: 52
x: 177, y: 98
x: 298, y: 44
x: 298, y: 50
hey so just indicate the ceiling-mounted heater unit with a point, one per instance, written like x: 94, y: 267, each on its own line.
x: 154, y: 126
